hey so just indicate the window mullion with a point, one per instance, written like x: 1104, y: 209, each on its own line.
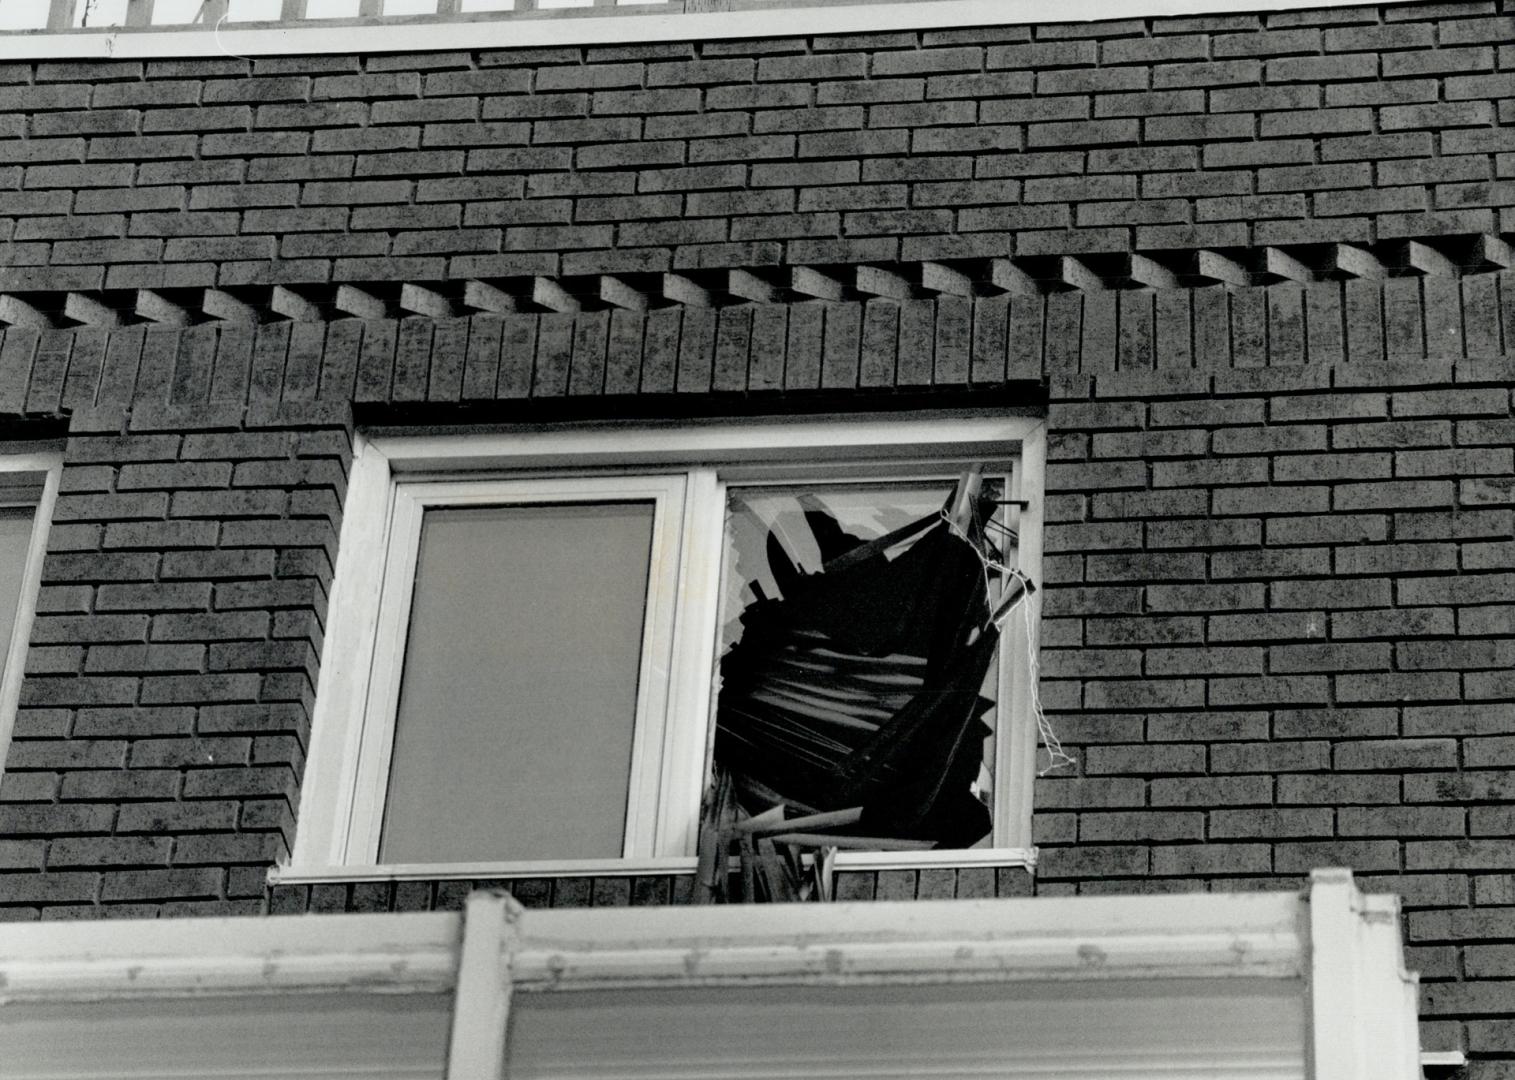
x: 649, y: 736
x: 685, y: 758
x: 1016, y: 745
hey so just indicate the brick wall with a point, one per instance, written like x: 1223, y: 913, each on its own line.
x: 1254, y: 267
x: 1359, y: 125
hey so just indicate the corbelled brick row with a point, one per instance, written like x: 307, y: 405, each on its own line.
x: 1280, y: 537
x: 160, y: 378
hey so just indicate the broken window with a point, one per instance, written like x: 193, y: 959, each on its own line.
x: 553, y: 658
x: 859, y: 675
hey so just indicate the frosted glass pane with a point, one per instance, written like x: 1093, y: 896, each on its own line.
x: 518, y: 701
x: 15, y: 539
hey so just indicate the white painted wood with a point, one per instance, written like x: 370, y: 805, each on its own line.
x: 32, y: 468
x: 476, y: 1047
x: 410, y: 502
x: 1362, y: 1001
x: 330, y: 779
x: 1023, y: 857
x: 1017, y: 740
x: 375, y: 714
x: 1151, y: 1030
x: 159, y: 958
x: 634, y: 25
x: 1133, y: 987
x: 1194, y: 935
x: 299, y: 1037
x: 943, y: 435
x: 691, y: 680
x: 302, y: 874
x: 1442, y: 1059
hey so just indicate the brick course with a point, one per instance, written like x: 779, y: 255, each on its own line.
x: 1277, y: 626
x: 1410, y: 102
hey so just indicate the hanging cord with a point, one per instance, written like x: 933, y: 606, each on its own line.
x: 216, y: 32
x: 987, y: 565
x: 1058, y: 758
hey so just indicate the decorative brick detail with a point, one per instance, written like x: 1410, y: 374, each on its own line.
x: 1258, y: 268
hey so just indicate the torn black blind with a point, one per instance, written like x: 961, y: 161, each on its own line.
x: 858, y: 686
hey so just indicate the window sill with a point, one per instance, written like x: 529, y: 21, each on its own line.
x: 850, y: 860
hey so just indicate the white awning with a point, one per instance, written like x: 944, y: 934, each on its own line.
x: 1271, y: 985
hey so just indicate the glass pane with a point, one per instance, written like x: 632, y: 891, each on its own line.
x: 15, y: 539
x: 518, y: 703
x: 865, y: 511
x: 823, y: 709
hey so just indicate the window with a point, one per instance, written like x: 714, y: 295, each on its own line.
x: 28, y: 486
x: 535, y: 637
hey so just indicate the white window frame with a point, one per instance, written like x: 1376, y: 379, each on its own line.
x: 25, y: 471
x: 685, y: 468
x: 659, y: 652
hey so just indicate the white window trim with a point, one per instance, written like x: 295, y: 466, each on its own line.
x: 45, y: 468
x: 660, y: 645
x: 332, y: 798
x: 776, y: 21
